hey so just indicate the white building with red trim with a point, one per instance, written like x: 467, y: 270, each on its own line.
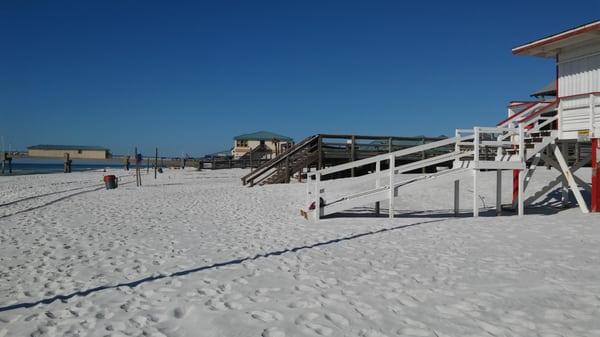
x: 544, y: 131
x: 577, y: 103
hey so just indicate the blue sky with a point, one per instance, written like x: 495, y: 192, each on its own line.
x: 188, y: 76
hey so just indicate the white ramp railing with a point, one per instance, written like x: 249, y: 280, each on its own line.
x: 315, y: 189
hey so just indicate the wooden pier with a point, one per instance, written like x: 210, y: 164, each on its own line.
x: 325, y: 150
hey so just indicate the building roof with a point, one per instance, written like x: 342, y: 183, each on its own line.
x: 224, y: 153
x: 262, y: 135
x: 547, y: 90
x: 66, y: 147
x: 551, y: 45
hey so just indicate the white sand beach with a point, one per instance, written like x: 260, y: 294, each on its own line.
x: 198, y: 254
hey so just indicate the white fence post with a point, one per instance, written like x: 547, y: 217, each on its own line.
x: 377, y: 182
x: 475, y: 171
x: 317, y: 196
x: 520, y: 201
x: 391, y: 185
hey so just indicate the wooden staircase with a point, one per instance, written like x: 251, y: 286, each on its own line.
x: 281, y: 168
x: 256, y: 153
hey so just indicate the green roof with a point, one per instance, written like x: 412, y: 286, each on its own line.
x: 67, y: 147
x: 262, y: 135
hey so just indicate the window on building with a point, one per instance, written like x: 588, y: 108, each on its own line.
x: 241, y: 143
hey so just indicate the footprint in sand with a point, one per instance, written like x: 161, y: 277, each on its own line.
x: 416, y: 332
x: 266, y: 315
x: 370, y: 333
x: 273, y: 332
x: 319, y: 329
x: 337, y: 319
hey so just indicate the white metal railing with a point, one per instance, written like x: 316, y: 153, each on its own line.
x: 518, y: 117
x: 499, y: 137
x: 314, y: 178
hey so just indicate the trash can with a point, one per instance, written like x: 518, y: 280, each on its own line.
x: 111, y: 182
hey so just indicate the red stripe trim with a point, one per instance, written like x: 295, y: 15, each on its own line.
x: 542, y: 110
x: 532, y: 104
x: 556, y: 37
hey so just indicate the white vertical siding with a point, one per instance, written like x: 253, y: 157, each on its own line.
x: 579, y: 76
x: 578, y: 73
x: 579, y: 113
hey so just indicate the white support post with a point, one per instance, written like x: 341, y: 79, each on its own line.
x: 521, y: 189
x: 391, y: 185
x: 499, y: 148
x: 521, y: 200
x: 377, y: 182
x: 377, y: 174
x: 564, y: 195
x: 317, y: 196
x: 308, y: 188
x: 475, y: 172
x: 456, y: 197
x: 560, y: 119
x: 569, y: 176
x: 592, y: 116
x: 456, y: 162
x: 498, y: 192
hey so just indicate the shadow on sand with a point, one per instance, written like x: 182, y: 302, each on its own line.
x: 208, y: 267
x: 551, y: 204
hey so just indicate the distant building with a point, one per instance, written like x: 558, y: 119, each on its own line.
x: 221, y: 154
x: 74, y: 151
x: 261, y: 143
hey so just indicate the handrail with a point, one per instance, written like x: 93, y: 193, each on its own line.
x: 541, y: 125
x: 508, y: 119
x: 399, y: 153
x: 520, y: 113
x: 268, y: 165
x: 539, y: 112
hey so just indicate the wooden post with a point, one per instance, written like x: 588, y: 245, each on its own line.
x: 67, y: 165
x: 456, y: 197
x: 287, y: 169
x: 320, y: 150
x: 147, y: 165
x: 498, y: 192
x: 155, y: 162
x: 138, y: 175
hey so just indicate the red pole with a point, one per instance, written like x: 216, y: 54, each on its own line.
x: 515, y: 194
x: 595, y: 174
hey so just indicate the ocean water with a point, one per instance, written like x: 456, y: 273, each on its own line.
x: 28, y: 166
